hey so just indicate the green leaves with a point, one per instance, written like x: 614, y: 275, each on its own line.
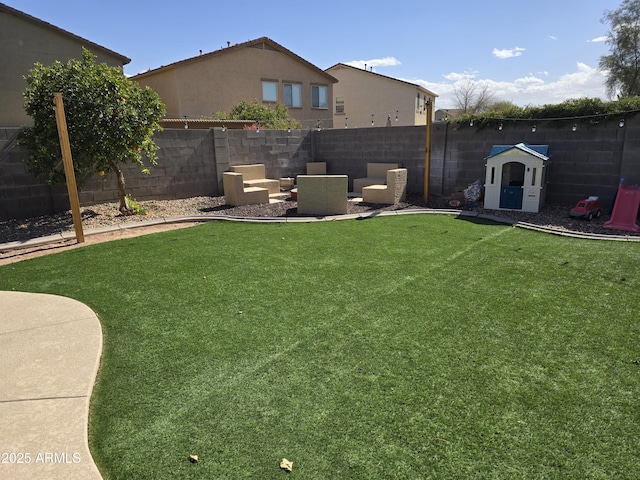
x: 266, y: 117
x: 623, y: 62
x: 593, y: 109
x: 109, y: 118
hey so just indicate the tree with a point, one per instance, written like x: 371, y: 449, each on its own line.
x: 110, y: 121
x: 501, y: 106
x: 473, y: 97
x: 623, y: 62
x: 272, y: 118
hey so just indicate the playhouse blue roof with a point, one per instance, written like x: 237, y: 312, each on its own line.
x: 540, y: 151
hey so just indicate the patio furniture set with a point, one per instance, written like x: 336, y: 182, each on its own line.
x: 316, y: 192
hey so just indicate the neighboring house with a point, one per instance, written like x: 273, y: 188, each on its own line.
x: 444, y: 114
x: 365, y: 98
x: 25, y: 40
x: 259, y: 70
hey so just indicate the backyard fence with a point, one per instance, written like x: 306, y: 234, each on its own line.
x: 584, y: 162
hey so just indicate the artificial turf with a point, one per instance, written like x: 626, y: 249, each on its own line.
x: 413, y: 346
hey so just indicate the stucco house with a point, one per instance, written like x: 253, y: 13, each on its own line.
x: 25, y: 40
x: 260, y: 69
x: 364, y: 98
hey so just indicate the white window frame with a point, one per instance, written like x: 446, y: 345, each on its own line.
x: 269, y: 91
x: 296, y: 95
x: 322, y: 96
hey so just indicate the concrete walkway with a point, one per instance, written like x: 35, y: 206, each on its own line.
x: 50, y: 350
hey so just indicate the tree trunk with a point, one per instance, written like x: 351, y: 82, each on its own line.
x: 124, y: 208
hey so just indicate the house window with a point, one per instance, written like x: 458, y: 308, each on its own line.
x: 293, y: 95
x: 318, y: 96
x: 339, y: 105
x: 269, y: 91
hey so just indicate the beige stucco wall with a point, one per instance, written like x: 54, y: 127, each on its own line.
x: 22, y: 44
x: 202, y: 87
x: 366, y: 93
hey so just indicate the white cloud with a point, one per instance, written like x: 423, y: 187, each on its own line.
x: 466, y: 75
x: 507, y: 52
x: 376, y: 62
x: 585, y: 81
x: 527, y: 82
x: 604, y: 38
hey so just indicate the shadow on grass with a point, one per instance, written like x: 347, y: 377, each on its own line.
x: 483, y: 221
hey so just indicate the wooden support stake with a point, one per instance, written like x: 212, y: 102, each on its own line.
x: 427, y: 153
x: 65, y: 148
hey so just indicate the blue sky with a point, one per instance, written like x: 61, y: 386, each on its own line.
x: 528, y: 52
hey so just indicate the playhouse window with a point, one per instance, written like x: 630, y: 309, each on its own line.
x: 533, y: 177
x: 493, y: 175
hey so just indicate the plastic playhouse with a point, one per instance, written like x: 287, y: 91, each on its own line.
x: 516, y: 177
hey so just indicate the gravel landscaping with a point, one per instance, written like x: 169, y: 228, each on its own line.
x: 107, y: 215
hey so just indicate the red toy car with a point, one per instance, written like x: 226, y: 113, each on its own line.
x: 587, y: 208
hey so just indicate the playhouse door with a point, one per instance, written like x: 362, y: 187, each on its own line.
x: 511, y: 198
x: 511, y: 190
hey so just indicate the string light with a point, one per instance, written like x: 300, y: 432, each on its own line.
x: 534, y: 128
x: 500, y: 127
x: 575, y: 127
x: 396, y: 115
x: 621, y: 124
x: 372, y: 124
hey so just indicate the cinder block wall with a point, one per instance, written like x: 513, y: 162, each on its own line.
x: 586, y: 162
x: 185, y: 169
x: 589, y: 161
x: 347, y: 151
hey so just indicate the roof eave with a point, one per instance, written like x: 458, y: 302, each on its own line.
x: 25, y: 16
x: 237, y: 46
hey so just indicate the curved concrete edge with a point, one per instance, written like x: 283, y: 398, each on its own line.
x: 50, y: 349
x: 70, y: 236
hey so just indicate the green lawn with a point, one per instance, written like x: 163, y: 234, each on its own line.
x: 415, y: 346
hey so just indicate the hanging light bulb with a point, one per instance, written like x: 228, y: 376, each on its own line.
x: 396, y: 115
x: 346, y: 122
x: 372, y: 124
x: 471, y: 123
x: 500, y: 127
x: 621, y: 124
x: 533, y: 129
x: 575, y: 127
x: 185, y: 125
x: 224, y: 129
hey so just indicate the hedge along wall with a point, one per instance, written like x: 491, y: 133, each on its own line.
x: 589, y: 161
